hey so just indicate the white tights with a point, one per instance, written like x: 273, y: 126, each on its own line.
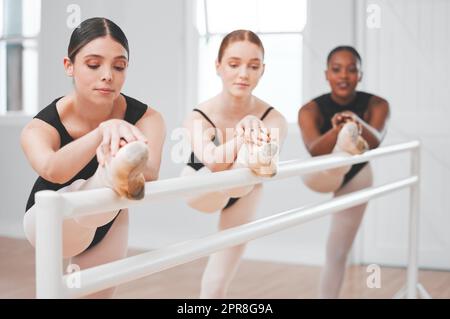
x: 344, y: 224
x: 343, y: 229
x: 222, y: 265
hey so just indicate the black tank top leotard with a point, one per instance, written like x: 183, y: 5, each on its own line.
x: 134, y: 111
x: 328, y: 108
x: 196, y: 164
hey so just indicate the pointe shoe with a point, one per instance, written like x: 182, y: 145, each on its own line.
x: 350, y: 141
x: 362, y: 145
x: 261, y: 159
x: 126, y: 170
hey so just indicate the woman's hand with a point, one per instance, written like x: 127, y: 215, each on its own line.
x: 115, y: 134
x: 253, y: 130
x: 339, y: 119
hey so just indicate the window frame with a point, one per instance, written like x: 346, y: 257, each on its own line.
x: 27, y: 42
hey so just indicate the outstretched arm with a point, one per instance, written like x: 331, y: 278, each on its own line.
x: 309, y: 120
x: 201, y: 133
x: 374, y: 127
x: 41, y: 144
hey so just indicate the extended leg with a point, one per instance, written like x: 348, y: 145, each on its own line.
x: 79, y: 232
x: 222, y: 265
x: 348, y: 143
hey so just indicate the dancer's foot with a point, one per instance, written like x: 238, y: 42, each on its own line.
x: 350, y: 141
x: 126, y: 170
x: 261, y: 159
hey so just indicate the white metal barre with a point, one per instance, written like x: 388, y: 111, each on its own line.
x: 104, y: 199
x: 136, y: 267
x: 52, y: 206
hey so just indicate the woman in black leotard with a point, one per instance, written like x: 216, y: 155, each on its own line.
x: 226, y: 132
x: 344, y: 122
x: 94, y: 124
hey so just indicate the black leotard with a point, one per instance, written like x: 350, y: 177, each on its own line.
x: 196, y: 164
x: 328, y: 108
x: 134, y: 111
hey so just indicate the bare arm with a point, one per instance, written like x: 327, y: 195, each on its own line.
x: 216, y: 158
x: 374, y: 128
x: 153, y: 127
x: 40, y: 143
x: 309, y: 120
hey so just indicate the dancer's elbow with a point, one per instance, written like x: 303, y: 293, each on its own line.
x: 55, y: 176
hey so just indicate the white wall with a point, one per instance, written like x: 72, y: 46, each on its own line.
x: 157, y: 75
x: 330, y: 23
x: 16, y: 177
x: 406, y: 61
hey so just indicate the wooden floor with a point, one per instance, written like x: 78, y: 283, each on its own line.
x: 254, y: 279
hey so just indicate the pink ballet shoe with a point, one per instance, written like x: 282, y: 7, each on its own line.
x: 260, y: 159
x: 126, y: 170
x: 362, y: 145
x: 350, y: 141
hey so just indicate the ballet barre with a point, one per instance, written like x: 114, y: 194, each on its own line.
x: 52, y: 208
